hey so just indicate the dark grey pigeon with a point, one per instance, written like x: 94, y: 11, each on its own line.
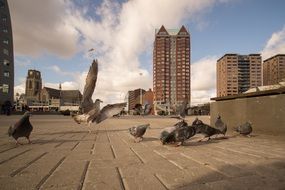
x: 219, y: 124
x: 177, y: 134
x: 139, y: 131
x: 22, y: 128
x: 244, y: 129
x: 206, y: 130
x: 167, y: 135
x: 181, y: 123
x: 183, y: 133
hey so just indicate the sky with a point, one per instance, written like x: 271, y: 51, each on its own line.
x: 55, y: 37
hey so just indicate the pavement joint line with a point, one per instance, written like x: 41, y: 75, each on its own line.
x: 74, y: 146
x: 45, y: 178
x: 83, y: 136
x: 113, y: 151
x: 161, y: 181
x: 121, y: 179
x: 92, y: 148
x: 108, y: 137
x: 58, y: 145
x: 206, y: 165
x: 137, y: 154
x: 14, y: 173
x: 83, y: 176
x: 240, y: 152
x: 169, y: 160
x: 15, y: 156
x: 7, y: 149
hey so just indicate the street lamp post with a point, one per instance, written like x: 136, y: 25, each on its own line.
x: 141, y: 101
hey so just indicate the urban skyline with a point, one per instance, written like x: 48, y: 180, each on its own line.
x: 120, y: 43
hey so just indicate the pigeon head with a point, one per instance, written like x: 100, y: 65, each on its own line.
x: 27, y: 114
x: 219, y: 117
x: 147, y: 126
x: 98, y: 100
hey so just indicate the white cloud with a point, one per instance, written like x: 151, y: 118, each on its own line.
x: 40, y: 26
x: 60, y: 71
x: 203, y: 80
x: 119, y: 33
x: 275, y: 45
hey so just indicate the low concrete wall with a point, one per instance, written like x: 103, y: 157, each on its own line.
x: 267, y: 113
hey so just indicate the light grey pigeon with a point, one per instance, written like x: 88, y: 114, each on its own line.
x: 96, y: 115
x: 90, y: 112
x: 147, y: 109
x: 244, y: 129
x: 181, y: 111
x: 22, y: 128
x: 219, y: 124
x: 206, y: 130
x: 89, y: 87
x: 139, y: 131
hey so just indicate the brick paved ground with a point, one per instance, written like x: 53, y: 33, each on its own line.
x: 65, y: 156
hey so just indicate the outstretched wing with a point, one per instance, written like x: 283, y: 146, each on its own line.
x: 147, y: 109
x: 110, y: 110
x: 89, y: 87
x: 182, y: 109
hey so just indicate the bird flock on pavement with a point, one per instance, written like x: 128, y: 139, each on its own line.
x: 90, y: 113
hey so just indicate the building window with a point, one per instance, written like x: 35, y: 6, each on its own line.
x: 2, y: 4
x: 5, y: 88
x: 6, y: 62
x: 4, y: 18
x: 6, y: 74
x: 5, y: 41
x: 5, y: 30
x: 5, y: 51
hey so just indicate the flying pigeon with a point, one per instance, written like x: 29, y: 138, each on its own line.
x: 206, y: 130
x: 139, y: 131
x: 219, y: 124
x: 147, y: 109
x: 181, y: 110
x: 90, y: 112
x: 22, y: 128
x: 244, y: 129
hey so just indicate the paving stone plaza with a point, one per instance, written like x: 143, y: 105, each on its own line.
x: 65, y: 156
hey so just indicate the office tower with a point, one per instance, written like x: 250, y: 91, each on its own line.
x: 274, y: 69
x: 171, y: 68
x: 237, y: 73
x: 6, y: 55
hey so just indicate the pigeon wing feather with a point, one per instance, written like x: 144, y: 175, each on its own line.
x: 89, y: 87
x: 109, y: 110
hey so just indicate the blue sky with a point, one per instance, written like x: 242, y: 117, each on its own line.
x: 56, y: 39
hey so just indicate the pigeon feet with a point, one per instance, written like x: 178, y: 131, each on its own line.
x: 18, y: 143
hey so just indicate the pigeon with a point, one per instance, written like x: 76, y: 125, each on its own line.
x: 206, y: 130
x: 90, y: 112
x: 244, y: 129
x: 179, y: 133
x: 181, y: 123
x: 147, y: 109
x: 219, y: 124
x: 22, y: 128
x: 139, y: 131
x: 181, y: 111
